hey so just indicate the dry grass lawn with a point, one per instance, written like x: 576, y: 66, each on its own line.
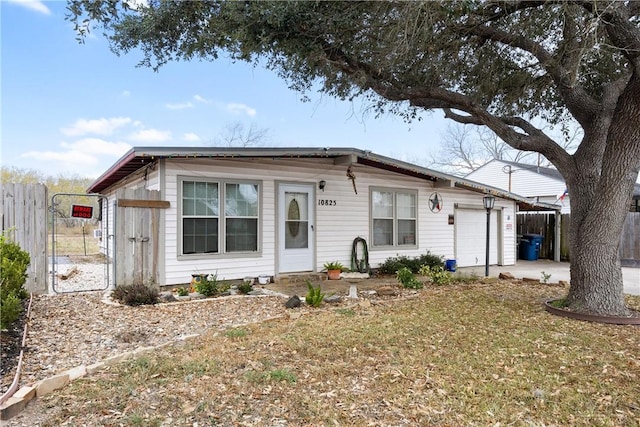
x: 482, y: 354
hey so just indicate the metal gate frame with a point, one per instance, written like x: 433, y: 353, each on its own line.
x: 105, y: 220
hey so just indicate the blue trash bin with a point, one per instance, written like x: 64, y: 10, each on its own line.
x: 450, y: 265
x: 530, y: 247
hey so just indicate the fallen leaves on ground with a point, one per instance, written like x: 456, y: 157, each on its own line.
x: 479, y: 354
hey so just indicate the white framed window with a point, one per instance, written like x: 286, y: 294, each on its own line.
x: 394, y: 217
x: 218, y: 216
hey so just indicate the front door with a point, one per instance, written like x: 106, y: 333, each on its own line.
x: 296, y: 241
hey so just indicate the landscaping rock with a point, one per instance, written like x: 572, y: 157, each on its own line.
x: 386, y: 291
x: 196, y: 295
x: 26, y: 392
x: 506, y: 276
x: 12, y: 407
x: 167, y: 297
x: 50, y: 384
x: 563, y: 283
x: 293, y: 302
x: 333, y: 299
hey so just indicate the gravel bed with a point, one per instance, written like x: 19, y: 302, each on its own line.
x: 72, y: 329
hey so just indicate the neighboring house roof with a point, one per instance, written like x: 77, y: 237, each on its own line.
x: 541, y: 170
x: 550, y: 172
x: 139, y: 157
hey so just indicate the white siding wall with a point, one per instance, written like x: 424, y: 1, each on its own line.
x: 524, y: 182
x: 336, y: 226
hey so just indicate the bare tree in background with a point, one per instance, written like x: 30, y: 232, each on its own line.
x: 464, y: 149
x: 237, y: 135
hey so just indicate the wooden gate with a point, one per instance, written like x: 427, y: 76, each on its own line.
x: 137, y: 223
x: 23, y: 210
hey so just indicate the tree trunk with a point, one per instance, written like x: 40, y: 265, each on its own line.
x: 600, y: 194
x: 596, y: 275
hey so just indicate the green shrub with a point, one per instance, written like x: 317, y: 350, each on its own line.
x: 437, y: 274
x: 315, y: 296
x: 10, y: 310
x: 13, y: 274
x: 223, y: 287
x: 407, y: 279
x: 208, y: 286
x: 182, y: 291
x: 431, y: 260
x: 136, y: 294
x: 245, y: 287
x: 392, y: 265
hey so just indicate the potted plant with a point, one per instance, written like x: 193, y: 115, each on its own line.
x: 334, y: 269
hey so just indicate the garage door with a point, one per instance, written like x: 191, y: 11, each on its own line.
x: 471, y: 237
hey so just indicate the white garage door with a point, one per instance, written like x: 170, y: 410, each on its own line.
x: 471, y: 237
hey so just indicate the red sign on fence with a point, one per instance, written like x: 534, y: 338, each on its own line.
x: 80, y: 211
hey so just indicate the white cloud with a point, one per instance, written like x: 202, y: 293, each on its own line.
x: 35, y: 5
x: 125, y: 93
x: 236, y: 108
x: 99, y: 126
x: 179, y: 106
x: 74, y: 158
x: 85, y: 157
x: 97, y: 146
x: 150, y: 135
x: 201, y: 99
x: 190, y: 137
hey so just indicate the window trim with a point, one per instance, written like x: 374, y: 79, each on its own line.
x: 395, y: 191
x: 222, y: 252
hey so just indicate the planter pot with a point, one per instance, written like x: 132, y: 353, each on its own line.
x: 197, y: 278
x: 334, y: 274
x: 264, y: 280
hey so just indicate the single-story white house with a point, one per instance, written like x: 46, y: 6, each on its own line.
x: 170, y: 212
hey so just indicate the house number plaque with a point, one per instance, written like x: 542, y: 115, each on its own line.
x: 327, y: 202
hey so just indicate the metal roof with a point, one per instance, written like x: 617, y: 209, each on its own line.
x: 140, y: 157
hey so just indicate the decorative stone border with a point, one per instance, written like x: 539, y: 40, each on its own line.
x: 15, y: 404
x: 19, y: 400
x: 590, y: 317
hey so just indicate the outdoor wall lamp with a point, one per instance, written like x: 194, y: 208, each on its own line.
x: 322, y: 184
x: 488, y: 202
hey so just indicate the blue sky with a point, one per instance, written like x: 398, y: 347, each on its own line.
x: 74, y: 109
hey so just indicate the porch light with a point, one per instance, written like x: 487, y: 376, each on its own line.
x: 322, y: 184
x: 488, y: 202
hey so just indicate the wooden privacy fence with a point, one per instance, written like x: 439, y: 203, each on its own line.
x: 544, y: 224
x: 24, y: 221
x: 630, y: 241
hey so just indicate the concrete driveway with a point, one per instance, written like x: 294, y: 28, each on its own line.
x: 557, y: 270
